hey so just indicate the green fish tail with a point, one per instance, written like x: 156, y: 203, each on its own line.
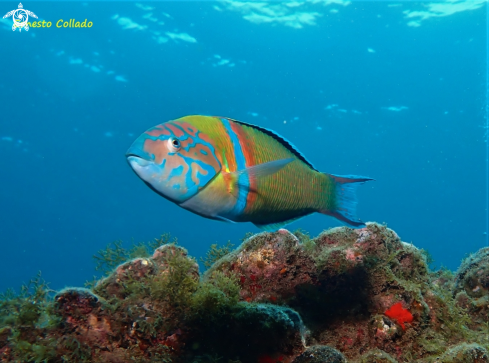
x: 344, y: 203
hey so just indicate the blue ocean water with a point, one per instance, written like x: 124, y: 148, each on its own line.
x: 392, y: 90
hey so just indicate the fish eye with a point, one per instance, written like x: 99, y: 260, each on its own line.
x: 175, y: 143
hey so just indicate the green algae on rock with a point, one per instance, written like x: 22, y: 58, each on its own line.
x: 465, y: 353
x: 359, y: 295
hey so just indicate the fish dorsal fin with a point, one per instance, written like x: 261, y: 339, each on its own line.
x: 287, y: 144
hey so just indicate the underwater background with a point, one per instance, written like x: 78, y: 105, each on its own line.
x: 396, y: 91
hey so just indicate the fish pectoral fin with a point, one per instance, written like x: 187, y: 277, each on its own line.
x: 261, y: 170
x: 240, y: 179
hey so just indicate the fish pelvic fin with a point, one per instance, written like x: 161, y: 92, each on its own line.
x: 346, y: 199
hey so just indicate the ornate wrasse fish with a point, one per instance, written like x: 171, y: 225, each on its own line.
x: 232, y: 171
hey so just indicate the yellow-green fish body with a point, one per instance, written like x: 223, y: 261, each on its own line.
x: 228, y: 170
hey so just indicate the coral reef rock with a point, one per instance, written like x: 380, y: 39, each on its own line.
x: 356, y: 295
x: 320, y: 354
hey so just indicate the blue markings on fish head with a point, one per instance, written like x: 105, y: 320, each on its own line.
x: 173, y: 162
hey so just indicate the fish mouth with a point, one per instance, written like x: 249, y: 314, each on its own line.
x: 135, y: 156
x: 137, y: 161
x: 137, y: 150
x: 128, y: 155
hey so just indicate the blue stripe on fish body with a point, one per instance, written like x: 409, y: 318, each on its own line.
x: 243, y: 180
x: 281, y: 140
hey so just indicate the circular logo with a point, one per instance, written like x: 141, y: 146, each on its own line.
x: 20, y: 17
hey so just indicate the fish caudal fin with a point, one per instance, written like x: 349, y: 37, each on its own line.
x: 346, y: 200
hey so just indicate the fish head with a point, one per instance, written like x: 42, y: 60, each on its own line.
x: 175, y: 159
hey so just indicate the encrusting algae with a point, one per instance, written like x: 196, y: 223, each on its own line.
x: 356, y: 295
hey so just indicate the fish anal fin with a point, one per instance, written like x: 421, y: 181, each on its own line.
x: 273, y: 227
